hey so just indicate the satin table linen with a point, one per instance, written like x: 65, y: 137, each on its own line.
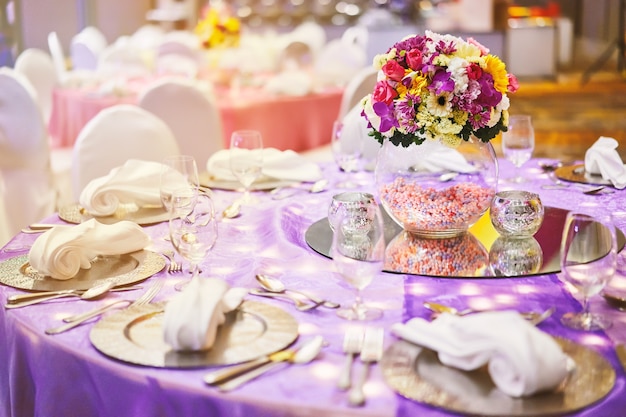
x: 296, y: 123
x: 63, y: 375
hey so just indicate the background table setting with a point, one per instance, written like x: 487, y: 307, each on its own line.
x: 120, y: 364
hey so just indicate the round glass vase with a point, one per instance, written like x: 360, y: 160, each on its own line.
x: 435, y: 191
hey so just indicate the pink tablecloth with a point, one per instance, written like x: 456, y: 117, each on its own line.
x: 297, y: 123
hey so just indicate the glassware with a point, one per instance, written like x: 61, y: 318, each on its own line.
x: 516, y: 213
x: 193, y: 226
x: 348, y: 202
x: 588, y: 254
x: 347, y: 152
x: 358, y: 255
x: 518, y: 143
x: 246, y: 159
x: 178, y: 171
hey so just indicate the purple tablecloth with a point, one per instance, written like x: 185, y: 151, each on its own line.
x: 63, y: 375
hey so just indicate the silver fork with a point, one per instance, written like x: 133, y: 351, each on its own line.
x: 372, y: 352
x: 77, y: 320
x: 173, y: 266
x: 352, y: 343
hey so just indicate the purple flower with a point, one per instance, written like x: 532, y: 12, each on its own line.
x: 442, y: 82
x: 387, y: 118
x: 480, y: 118
x: 445, y: 48
x: 489, y: 96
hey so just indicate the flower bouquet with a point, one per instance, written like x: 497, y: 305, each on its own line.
x: 218, y: 28
x: 438, y: 87
x: 438, y: 102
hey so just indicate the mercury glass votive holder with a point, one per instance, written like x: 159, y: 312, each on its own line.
x: 354, y: 207
x: 516, y: 213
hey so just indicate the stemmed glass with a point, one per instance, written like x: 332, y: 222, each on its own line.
x: 588, y: 254
x: 178, y: 171
x: 193, y: 226
x: 518, y: 143
x: 347, y: 152
x: 358, y: 252
x: 246, y: 159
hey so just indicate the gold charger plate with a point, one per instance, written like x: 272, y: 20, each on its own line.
x: 576, y: 173
x: 121, y: 270
x: 417, y: 374
x: 143, y: 216
x: 206, y: 180
x: 135, y: 336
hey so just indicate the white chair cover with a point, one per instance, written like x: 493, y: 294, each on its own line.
x: 38, y: 67
x: 295, y: 54
x: 85, y: 48
x: 122, y: 59
x: 147, y: 37
x: 28, y: 193
x: 358, y: 87
x: 338, y: 62
x: 113, y: 136
x: 192, y: 115
x: 177, y: 47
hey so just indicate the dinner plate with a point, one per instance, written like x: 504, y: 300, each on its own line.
x: 416, y: 373
x: 135, y: 336
x: 206, y: 180
x: 576, y: 173
x: 144, y: 216
x: 120, y: 269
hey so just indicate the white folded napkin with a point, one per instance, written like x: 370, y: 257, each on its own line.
x: 603, y: 159
x: 520, y: 358
x: 63, y: 250
x: 134, y: 182
x: 277, y: 164
x: 441, y: 158
x: 192, y: 317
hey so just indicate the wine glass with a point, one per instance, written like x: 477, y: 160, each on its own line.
x: 588, y: 254
x: 246, y: 159
x: 358, y: 254
x: 178, y: 171
x: 518, y: 143
x: 347, y: 152
x: 193, y: 226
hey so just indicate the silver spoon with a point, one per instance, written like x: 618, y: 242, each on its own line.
x: 232, y: 211
x: 91, y: 293
x: 317, y: 187
x: 274, y: 285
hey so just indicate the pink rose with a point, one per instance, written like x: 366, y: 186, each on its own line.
x: 384, y: 92
x: 414, y: 59
x: 393, y: 70
x: 474, y: 71
x: 483, y: 49
x: 513, y: 83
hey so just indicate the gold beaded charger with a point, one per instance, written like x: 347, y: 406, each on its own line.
x: 124, y: 269
x: 143, y: 216
x: 577, y: 173
x: 416, y: 373
x: 135, y: 335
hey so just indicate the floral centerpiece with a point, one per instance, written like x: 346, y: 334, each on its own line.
x: 438, y: 102
x: 218, y: 28
x: 438, y: 87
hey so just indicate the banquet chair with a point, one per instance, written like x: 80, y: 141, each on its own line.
x: 122, y: 59
x: 358, y: 87
x: 58, y: 56
x: 116, y: 134
x: 176, y: 64
x: 38, y: 67
x: 147, y: 37
x: 338, y: 62
x: 26, y: 183
x: 178, y: 48
x: 192, y: 115
x: 295, y: 54
x: 85, y: 48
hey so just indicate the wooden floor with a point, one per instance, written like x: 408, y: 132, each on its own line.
x: 570, y: 116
